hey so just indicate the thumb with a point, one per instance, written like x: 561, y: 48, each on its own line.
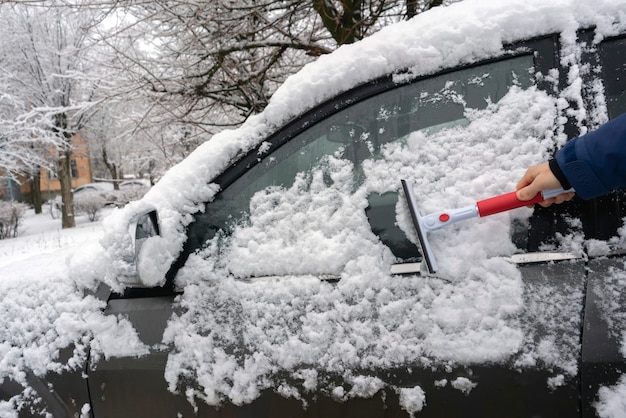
x: 527, y: 193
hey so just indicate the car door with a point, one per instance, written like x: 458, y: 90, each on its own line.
x: 136, y: 386
x: 603, y: 356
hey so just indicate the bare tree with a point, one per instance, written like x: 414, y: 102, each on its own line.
x: 351, y: 20
x: 182, y: 70
x: 20, y: 144
x: 45, y: 65
x: 209, y: 65
x: 117, y: 147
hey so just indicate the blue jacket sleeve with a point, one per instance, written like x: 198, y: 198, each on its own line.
x: 595, y: 163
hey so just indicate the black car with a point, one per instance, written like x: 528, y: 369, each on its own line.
x: 276, y: 271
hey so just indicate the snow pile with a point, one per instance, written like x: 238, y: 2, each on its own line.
x: 42, y: 317
x: 412, y: 400
x: 612, y: 400
x: 463, y: 384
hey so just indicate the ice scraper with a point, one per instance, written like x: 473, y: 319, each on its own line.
x: 486, y: 207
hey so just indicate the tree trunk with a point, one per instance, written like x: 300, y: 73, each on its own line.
x: 36, y: 191
x: 411, y: 8
x: 112, y: 167
x: 67, y: 199
x: 345, y: 26
x: 435, y: 3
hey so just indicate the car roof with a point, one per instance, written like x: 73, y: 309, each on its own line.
x: 135, y: 182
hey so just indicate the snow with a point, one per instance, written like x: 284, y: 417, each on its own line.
x: 298, y: 329
x: 45, y: 311
x: 463, y: 384
x: 612, y: 400
x: 412, y: 400
x: 369, y: 320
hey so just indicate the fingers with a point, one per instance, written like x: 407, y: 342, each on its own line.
x: 537, y: 178
x: 528, y: 192
x: 563, y: 197
x: 547, y: 202
x: 533, y: 181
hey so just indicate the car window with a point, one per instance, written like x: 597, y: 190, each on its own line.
x: 613, y: 58
x: 321, y: 156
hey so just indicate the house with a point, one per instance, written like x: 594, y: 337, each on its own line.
x: 20, y: 189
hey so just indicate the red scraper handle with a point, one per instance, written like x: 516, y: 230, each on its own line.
x: 505, y: 202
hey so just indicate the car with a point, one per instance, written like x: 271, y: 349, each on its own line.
x: 135, y: 183
x: 276, y: 271
x: 86, y: 192
x: 127, y: 191
x: 101, y: 187
x: 130, y: 190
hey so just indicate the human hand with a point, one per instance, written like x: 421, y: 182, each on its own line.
x: 537, y: 178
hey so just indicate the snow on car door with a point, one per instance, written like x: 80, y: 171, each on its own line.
x: 135, y: 386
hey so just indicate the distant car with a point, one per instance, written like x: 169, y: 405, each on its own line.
x: 135, y: 183
x: 128, y: 190
x: 102, y: 189
x: 257, y: 274
x: 94, y: 187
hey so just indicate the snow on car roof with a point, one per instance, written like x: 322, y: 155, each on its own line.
x: 369, y: 319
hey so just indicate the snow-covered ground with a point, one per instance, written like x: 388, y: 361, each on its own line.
x: 41, y: 248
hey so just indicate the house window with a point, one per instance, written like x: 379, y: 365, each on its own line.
x: 73, y: 169
x: 52, y: 174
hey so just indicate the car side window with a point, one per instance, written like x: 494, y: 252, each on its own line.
x: 613, y: 59
x: 331, y: 153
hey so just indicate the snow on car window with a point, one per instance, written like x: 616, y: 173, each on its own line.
x: 306, y: 209
x: 369, y: 319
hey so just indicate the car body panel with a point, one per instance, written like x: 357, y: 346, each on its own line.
x: 604, y: 328
x: 135, y: 387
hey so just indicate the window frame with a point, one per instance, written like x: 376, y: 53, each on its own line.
x: 545, y: 53
x: 602, y: 53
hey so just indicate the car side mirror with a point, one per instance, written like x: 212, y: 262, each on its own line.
x: 151, y: 256
x: 142, y: 227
